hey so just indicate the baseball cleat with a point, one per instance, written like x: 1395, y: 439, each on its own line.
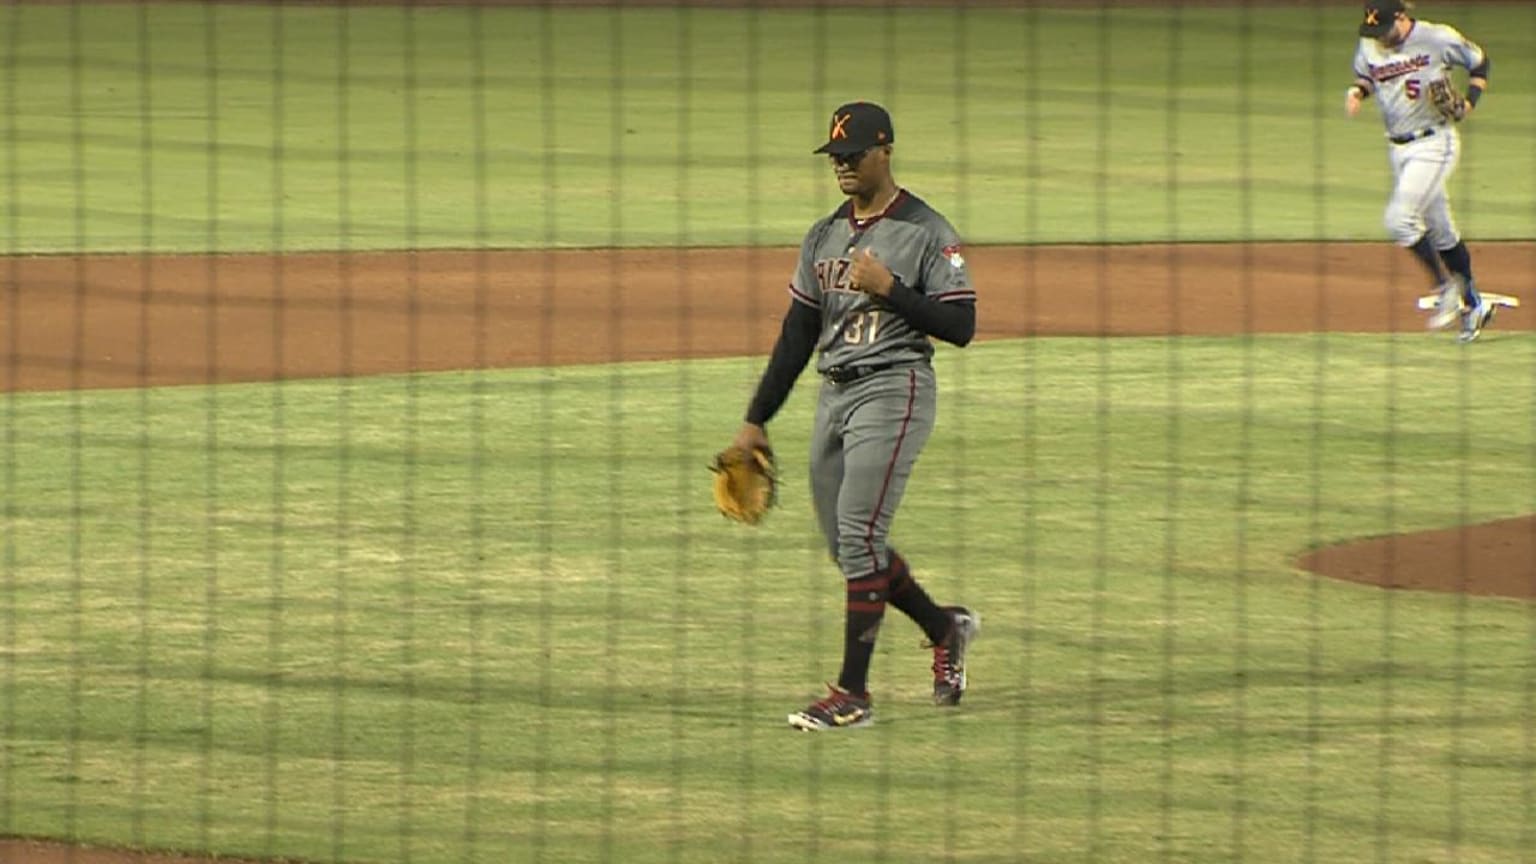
x: 1448, y: 305
x: 839, y: 710
x: 1474, y: 321
x: 949, y: 658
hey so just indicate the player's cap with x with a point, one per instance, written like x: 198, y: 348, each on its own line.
x: 1380, y: 15
x: 856, y: 127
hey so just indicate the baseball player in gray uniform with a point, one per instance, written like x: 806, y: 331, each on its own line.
x: 1400, y: 60
x: 876, y: 279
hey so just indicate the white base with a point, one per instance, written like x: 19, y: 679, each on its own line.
x: 1428, y: 301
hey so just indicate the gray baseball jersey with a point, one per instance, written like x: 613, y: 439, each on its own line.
x: 1425, y: 149
x: 915, y: 242
x: 869, y: 432
x: 1402, y: 73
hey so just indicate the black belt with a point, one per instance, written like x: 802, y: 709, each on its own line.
x: 1412, y: 136
x: 850, y: 374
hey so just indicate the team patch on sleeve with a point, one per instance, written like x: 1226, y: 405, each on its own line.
x: 952, y: 254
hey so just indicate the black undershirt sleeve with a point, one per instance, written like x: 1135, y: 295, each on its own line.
x: 954, y: 322
x: 797, y: 342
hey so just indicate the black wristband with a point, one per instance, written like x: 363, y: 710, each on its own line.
x: 1474, y: 93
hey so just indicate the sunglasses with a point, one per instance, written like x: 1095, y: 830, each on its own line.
x: 851, y: 160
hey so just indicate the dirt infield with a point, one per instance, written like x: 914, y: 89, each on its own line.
x: 128, y: 321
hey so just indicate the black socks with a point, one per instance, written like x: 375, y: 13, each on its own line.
x: 908, y: 596
x: 1458, y: 260
x: 1429, y: 256
x: 866, y: 608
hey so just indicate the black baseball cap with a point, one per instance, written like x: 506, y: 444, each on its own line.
x: 1380, y: 15
x: 856, y: 127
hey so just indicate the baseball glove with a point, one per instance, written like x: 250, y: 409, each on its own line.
x: 746, y: 483
x: 1447, y: 99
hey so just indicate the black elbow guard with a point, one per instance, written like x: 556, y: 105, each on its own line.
x: 1481, y: 70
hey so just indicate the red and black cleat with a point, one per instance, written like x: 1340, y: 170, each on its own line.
x: 949, y: 657
x: 839, y: 710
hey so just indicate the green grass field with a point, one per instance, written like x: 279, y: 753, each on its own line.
x: 487, y: 617
x: 234, y: 128
x: 494, y: 617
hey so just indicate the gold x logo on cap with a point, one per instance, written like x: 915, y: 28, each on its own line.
x: 838, y: 121
x: 1370, y: 17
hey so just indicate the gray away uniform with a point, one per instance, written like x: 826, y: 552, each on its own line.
x: 877, y: 404
x: 1424, y: 147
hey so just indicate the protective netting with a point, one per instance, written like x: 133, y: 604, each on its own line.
x: 364, y: 364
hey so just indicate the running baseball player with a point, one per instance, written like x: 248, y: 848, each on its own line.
x: 1406, y: 63
x: 876, y: 279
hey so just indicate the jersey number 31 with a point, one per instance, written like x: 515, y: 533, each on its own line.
x: 862, y: 327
